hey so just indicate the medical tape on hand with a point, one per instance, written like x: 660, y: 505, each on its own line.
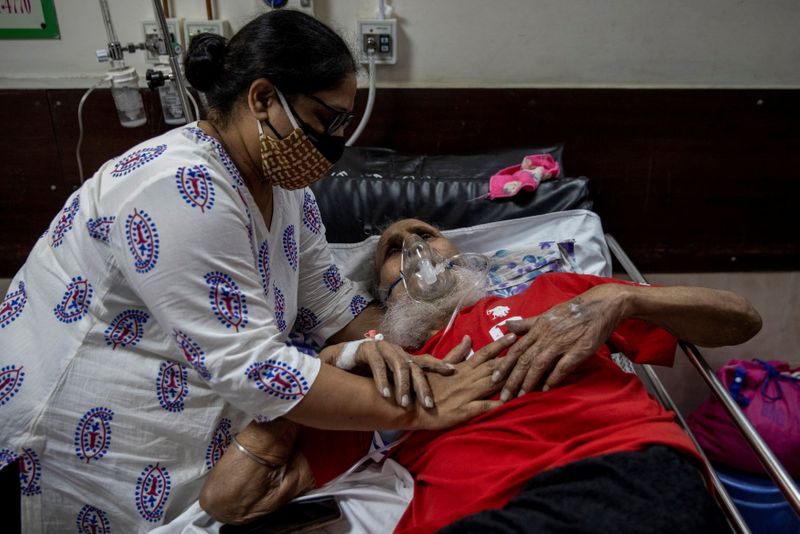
x: 347, y: 358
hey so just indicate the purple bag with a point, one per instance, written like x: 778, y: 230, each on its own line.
x: 769, y: 395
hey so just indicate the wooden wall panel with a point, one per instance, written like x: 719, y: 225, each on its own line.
x: 104, y: 136
x: 687, y: 180
x: 30, y: 171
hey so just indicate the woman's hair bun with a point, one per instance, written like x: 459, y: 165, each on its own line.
x: 205, y: 60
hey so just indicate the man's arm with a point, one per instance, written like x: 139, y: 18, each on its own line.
x: 557, y: 341
x: 368, y: 319
x: 705, y: 317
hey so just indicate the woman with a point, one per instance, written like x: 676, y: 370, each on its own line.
x: 149, y: 324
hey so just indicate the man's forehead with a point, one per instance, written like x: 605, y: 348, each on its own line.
x: 405, y: 225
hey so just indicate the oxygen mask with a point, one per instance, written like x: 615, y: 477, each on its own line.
x: 427, y: 275
x: 425, y: 272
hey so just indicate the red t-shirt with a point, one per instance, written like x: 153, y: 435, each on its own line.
x: 597, y: 410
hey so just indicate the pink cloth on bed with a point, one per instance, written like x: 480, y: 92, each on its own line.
x: 533, y: 170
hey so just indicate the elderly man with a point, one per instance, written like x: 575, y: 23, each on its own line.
x: 577, y: 445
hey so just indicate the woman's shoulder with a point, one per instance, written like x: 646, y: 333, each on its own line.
x: 180, y: 168
x: 184, y: 153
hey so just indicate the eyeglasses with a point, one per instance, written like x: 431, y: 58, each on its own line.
x: 340, y: 121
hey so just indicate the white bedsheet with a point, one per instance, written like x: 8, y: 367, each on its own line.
x: 372, y: 500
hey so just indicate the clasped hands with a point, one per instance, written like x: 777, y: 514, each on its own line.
x: 542, y: 351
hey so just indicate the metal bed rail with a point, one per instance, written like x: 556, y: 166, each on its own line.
x: 765, y: 455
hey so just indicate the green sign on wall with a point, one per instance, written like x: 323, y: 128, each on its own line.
x: 28, y: 19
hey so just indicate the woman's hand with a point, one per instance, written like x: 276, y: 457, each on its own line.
x: 461, y: 396
x: 554, y: 343
x: 239, y: 490
x: 383, y: 358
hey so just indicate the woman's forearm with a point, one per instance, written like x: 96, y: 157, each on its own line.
x: 339, y: 400
x: 239, y: 489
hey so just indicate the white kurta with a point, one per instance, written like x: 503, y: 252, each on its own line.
x: 148, y: 325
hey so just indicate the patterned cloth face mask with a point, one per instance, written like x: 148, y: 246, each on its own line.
x: 292, y: 162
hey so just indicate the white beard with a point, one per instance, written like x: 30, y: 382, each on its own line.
x: 409, y: 323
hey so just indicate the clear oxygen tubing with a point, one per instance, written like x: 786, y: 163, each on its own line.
x: 370, y: 103
x: 484, y: 270
x: 80, y: 124
x: 194, y: 105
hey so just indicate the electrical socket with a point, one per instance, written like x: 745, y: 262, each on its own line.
x: 152, y: 35
x: 193, y: 27
x: 379, y: 37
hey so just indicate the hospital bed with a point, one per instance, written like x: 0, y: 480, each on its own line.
x: 369, y: 188
x: 372, y: 187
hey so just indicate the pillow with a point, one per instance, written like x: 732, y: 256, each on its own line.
x: 591, y: 255
x: 512, y: 271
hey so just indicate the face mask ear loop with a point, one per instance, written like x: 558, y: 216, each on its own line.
x: 287, y: 109
x: 261, y: 130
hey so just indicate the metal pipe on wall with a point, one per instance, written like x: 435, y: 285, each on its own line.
x: 112, y: 35
x: 173, y: 61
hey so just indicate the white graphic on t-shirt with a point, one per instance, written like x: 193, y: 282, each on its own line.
x: 498, y: 311
x: 495, y: 331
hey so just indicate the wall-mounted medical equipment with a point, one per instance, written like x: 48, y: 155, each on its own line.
x: 154, y: 42
x: 307, y: 6
x: 124, y: 80
x: 162, y: 45
x: 167, y: 93
x: 127, y: 98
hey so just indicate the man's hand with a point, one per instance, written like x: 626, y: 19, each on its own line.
x: 554, y: 343
x: 383, y: 357
x: 380, y: 359
x: 462, y: 395
x: 557, y: 341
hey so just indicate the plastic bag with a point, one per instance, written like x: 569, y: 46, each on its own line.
x: 769, y: 395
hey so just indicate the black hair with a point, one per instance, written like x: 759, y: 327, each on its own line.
x: 294, y: 51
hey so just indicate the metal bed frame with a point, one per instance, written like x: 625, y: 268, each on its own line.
x: 771, y: 464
